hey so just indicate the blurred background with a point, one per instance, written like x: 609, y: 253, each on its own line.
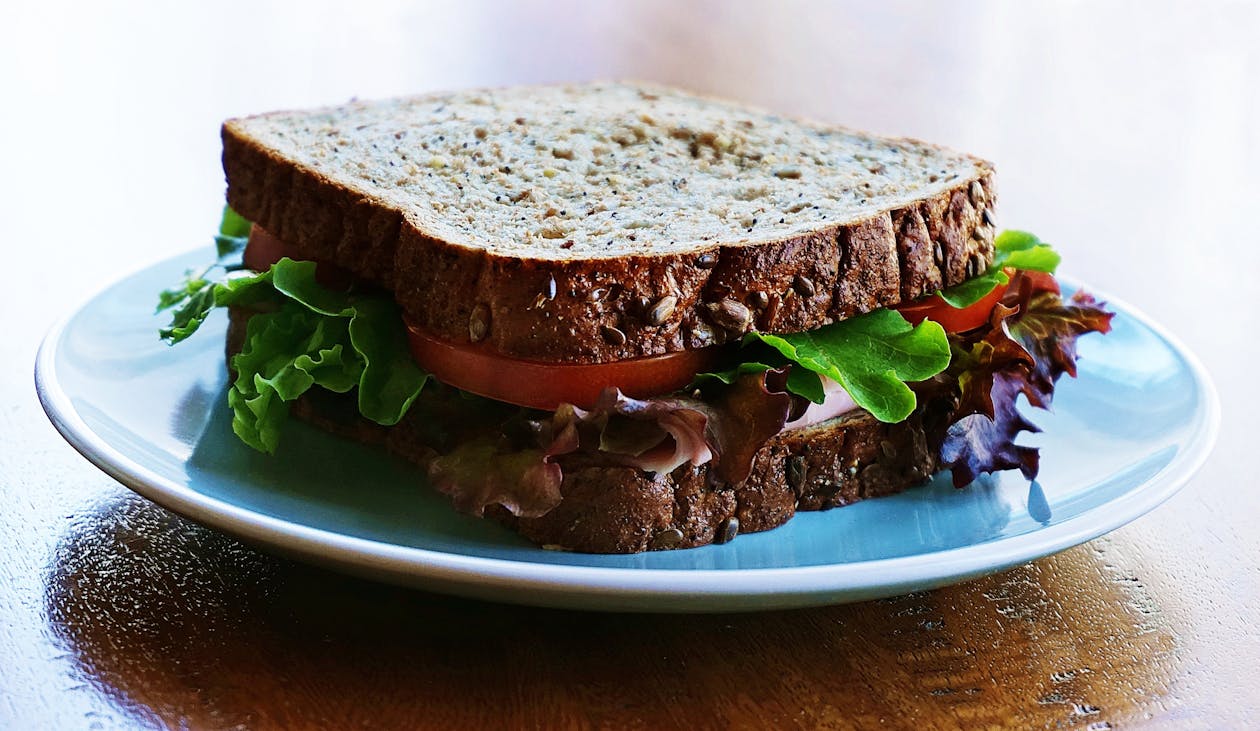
x: 1089, y: 110
x: 1127, y: 134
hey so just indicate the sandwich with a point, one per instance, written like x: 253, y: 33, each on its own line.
x: 621, y: 317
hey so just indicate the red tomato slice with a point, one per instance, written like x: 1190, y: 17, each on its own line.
x: 956, y: 319
x: 264, y: 249
x: 953, y: 319
x: 545, y: 386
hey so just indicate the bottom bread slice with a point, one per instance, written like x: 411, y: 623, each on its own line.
x: 612, y: 508
x: 618, y: 509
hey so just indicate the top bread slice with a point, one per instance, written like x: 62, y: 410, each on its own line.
x: 604, y: 221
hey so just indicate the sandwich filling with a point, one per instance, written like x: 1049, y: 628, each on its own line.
x: 499, y: 426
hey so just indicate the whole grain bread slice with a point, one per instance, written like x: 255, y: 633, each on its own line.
x: 610, y: 508
x: 604, y: 221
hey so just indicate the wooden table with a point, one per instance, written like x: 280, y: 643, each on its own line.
x: 1128, y: 135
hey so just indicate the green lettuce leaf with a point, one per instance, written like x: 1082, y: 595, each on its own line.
x: 872, y: 357
x: 800, y: 381
x: 317, y: 337
x: 730, y: 375
x: 233, y: 233
x: 191, y: 301
x: 302, y: 336
x: 973, y: 290
x: 1015, y: 240
x: 1015, y: 249
x: 1039, y: 259
x: 285, y: 353
x: 193, y: 298
x: 807, y: 383
x: 233, y: 224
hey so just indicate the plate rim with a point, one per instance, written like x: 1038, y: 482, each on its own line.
x: 428, y: 567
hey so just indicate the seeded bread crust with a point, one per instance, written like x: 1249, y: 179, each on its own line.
x: 584, y: 310
x: 617, y: 509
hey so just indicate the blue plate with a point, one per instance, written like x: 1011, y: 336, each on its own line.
x: 1125, y: 435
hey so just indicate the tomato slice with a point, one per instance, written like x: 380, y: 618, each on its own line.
x: 961, y: 319
x: 264, y: 249
x: 538, y: 385
x: 953, y: 319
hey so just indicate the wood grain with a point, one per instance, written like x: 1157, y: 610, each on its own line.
x: 1126, y: 134
x: 193, y: 627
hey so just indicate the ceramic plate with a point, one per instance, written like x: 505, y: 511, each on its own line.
x: 1124, y: 437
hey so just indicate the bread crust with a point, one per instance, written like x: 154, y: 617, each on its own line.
x: 608, y: 508
x: 599, y: 310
